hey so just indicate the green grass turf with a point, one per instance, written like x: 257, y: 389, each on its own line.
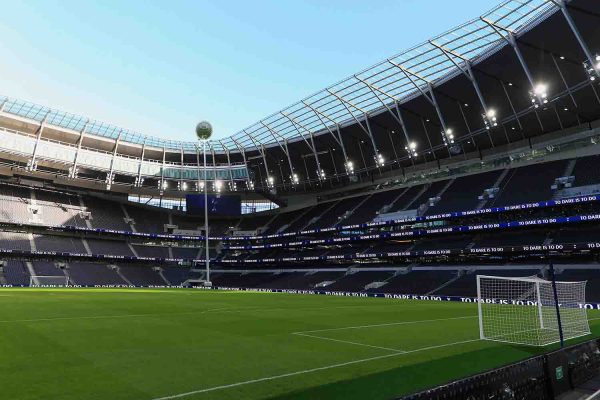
x: 147, y: 344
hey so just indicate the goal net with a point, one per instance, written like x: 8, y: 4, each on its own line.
x: 38, y: 280
x: 523, y: 310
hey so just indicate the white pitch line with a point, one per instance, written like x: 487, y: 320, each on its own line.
x: 307, y: 371
x: 593, y: 396
x: 349, y: 342
x: 111, y: 316
x: 386, y: 324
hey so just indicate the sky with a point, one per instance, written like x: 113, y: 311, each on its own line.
x: 159, y: 67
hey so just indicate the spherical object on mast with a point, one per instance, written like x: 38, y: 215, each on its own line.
x: 204, y: 130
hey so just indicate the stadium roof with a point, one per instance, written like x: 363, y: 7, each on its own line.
x: 366, y: 93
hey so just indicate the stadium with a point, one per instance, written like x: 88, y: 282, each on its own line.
x: 427, y: 228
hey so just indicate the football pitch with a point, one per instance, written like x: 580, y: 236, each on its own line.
x: 150, y: 344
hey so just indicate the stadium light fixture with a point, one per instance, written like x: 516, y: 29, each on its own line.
x: 250, y: 185
x: 218, y: 185
x: 379, y: 159
x: 321, y: 174
x: 110, y: 179
x: 448, y: 137
x: 592, y: 71
x: 411, y: 149
x: 539, y: 94
x: 139, y: 181
x: 183, y: 186
x: 233, y: 186
x: 200, y: 186
x: 349, y: 167
x: 270, y: 181
x: 295, y: 179
x: 490, y: 119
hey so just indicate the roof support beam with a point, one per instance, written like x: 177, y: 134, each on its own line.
x: 366, y: 129
x: 338, y: 137
x: 73, y: 169
x: 284, y: 148
x: 562, y: 78
x: 261, y: 150
x: 398, y: 117
x: 249, y: 183
x: 231, y: 183
x: 138, y: 180
x: 512, y: 41
x: 32, y: 163
x: 466, y: 70
x: 110, y: 178
x: 162, y: 173
x: 561, y: 4
x: 430, y: 97
x: 345, y: 103
x: 296, y: 124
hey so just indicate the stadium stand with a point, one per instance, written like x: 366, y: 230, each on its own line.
x: 537, y: 178
x: 91, y: 274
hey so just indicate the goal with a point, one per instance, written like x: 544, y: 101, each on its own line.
x: 524, y: 310
x: 39, y: 280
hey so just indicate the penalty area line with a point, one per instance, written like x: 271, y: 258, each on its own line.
x: 308, y: 371
x: 386, y: 324
x: 349, y: 342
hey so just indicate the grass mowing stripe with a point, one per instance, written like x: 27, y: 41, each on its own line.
x: 348, y: 342
x: 387, y: 324
x: 110, y: 316
x: 308, y: 371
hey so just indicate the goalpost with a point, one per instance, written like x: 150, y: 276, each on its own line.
x: 524, y: 310
x: 41, y: 280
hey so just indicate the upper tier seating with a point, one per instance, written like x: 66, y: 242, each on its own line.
x: 250, y: 223
x: 283, y: 219
x: 586, y: 171
x: 432, y: 191
x: 463, y: 193
x: 368, y: 209
x: 106, y: 214
x: 301, y: 222
x: 406, y: 201
x: 62, y: 244
x: 112, y: 247
x: 59, y: 208
x: 152, y: 251
x: 14, y: 203
x: 529, y: 184
x: 15, y: 241
x: 147, y: 220
x: 334, y: 213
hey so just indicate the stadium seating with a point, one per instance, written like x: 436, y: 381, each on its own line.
x: 16, y: 273
x: 91, y: 274
x: 463, y: 193
x: 112, y: 247
x: 586, y: 171
x: 537, y: 178
x: 63, y: 244
x: 369, y: 208
x: 106, y: 214
x: 141, y: 275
